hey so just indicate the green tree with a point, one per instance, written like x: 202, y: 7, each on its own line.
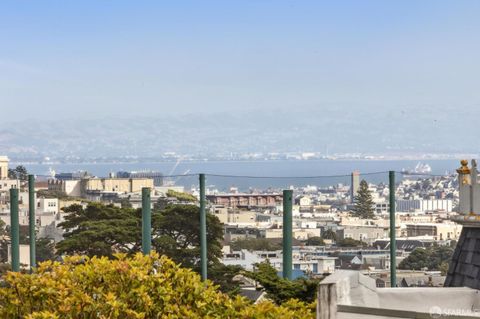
x: 161, y: 203
x: 350, y: 242
x: 363, y: 202
x: 433, y: 258
x: 176, y: 234
x: 315, y: 241
x: 255, y: 244
x: 19, y: 172
x: 3, y: 242
x: 125, y: 203
x: 3, y: 230
x: 279, y: 289
x: 329, y: 234
x: 102, y: 230
x: 223, y: 276
x: 12, y: 174
x: 45, y: 249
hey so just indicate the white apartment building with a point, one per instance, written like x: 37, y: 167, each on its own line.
x: 247, y: 259
x: 424, y: 205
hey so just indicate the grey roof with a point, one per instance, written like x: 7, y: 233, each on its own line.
x: 251, y: 294
x: 464, y: 269
x: 422, y: 281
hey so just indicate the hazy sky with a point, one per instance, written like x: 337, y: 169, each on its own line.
x: 95, y: 58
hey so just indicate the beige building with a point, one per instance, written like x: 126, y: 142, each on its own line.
x: 233, y: 216
x: 3, y: 167
x: 298, y: 233
x: 366, y: 234
x: 305, y: 201
x: 6, y: 184
x: 443, y: 231
x: 24, y: 253
x: 69, y: 187
x: 117, y: 185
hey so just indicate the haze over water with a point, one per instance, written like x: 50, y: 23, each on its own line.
x: 283, y: 168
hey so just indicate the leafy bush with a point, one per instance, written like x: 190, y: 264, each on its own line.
x: 138, y: 287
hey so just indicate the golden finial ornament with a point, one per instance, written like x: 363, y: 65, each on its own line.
x: 464, y: 169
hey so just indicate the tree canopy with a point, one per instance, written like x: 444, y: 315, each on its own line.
x: 433, y: 258
x: 315, y: 241
x: 363, y: 202
x: 19, y: 172
x: 329, y: 234
x: 176, y: 234
x: 102, y: 230
x: 350, y: 242
x: 279, y: 289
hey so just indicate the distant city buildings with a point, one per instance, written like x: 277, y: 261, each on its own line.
x: 245, y: 200
x: 156, y: 176
x: 424, y: 208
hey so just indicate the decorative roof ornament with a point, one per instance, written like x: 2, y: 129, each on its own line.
x: 464, y: 169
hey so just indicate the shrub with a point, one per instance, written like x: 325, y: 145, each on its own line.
x: 140, y: 287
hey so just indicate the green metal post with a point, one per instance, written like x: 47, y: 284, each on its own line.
x: 31, y: 220
x: 146, y: 221
x: 203, y: 229
x: 15, y: 229
x: 393, y: 241
x: 287, y: 234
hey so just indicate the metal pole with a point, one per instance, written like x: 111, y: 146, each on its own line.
x: 15, y: 229
x: 287, y: 234
x: 203, y: 229
x: 393, y: 242
x: 146, y: 221
x: 31, y: 220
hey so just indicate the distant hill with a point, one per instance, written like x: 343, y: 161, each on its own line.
x: 406, y: 130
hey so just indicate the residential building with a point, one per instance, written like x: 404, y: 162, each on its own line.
x: 3, y: 167
x: 70, y: 187
x: 116, y: 185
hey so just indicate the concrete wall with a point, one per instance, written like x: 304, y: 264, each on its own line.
x: 351, y: 288
x: 24, y: 255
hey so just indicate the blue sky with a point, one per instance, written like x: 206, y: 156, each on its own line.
x: 66, y: 59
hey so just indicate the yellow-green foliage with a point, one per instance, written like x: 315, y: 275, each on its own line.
x: 181, y: 196
x: 139, y: 287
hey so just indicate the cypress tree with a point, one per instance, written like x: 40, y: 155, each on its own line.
x: 363, y: 202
